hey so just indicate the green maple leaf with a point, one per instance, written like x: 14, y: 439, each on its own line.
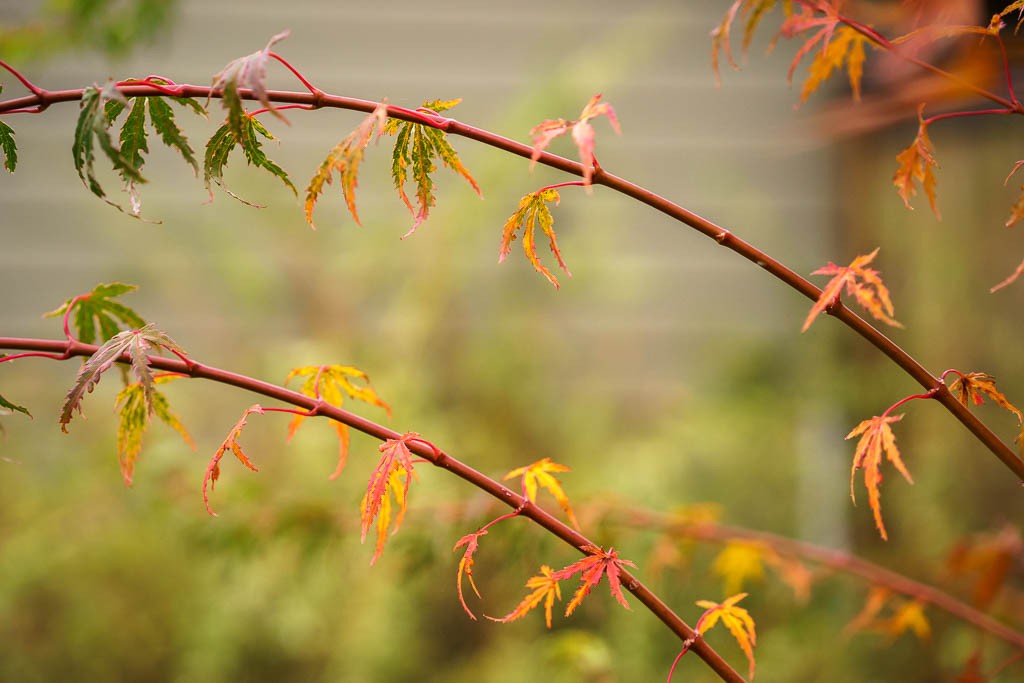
x: 97, y: 310
x: 134, y: 343
x: 9, y: 147
x: 99, y: 108
x: 247, y: 135
x: 8, y: 408
x: 417, y: 146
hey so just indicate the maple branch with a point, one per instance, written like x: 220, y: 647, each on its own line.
x: 928, y: 394
x: 883, y: 42
x: 44, y: 98
x: 713, y: 532
x: 521, y: 505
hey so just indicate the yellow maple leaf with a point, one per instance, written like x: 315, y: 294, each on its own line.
x: 917, y: 163
x: 736, y: 619
x: 545, y: 589
x: 331, y: 384
x: 876, y: 438
x: 533, y: 211
x: 540, y: 473
x: 738, y: 562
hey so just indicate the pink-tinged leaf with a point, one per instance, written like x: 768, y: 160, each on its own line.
x: 592, y: 568
x: 582, y: 133
x: 250, y: 72
x: 391, y: 478
x: 472, y: 543
x: 230, y: 443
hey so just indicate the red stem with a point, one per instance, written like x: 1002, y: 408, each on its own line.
x: 32, y: 88
x: 421, y: 448
x: 1007, y: 70
x: 302, y: 79
x: 960, y: 114
x: 570, y: 183
x: 928, y: 394
x: 307, y: 107
x: 601, y: 177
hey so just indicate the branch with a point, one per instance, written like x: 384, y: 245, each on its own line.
x: 838, y: 560
x: 421, y: 448
x: 42, y: 99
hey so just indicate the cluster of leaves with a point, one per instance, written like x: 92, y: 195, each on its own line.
x: 833, y: 41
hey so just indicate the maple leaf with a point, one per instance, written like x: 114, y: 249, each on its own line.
x: 393, y: 474
x: 416, y: 148
x: 917, y: 163
x: 135, y: 344
x: 533, y: 211
x: 989, y: 557
x: 9, y: 147
x: 472, y: 543
x: 98, y: 312
x: 591, y: 568
x: 161, y: 117
x: 876, y: 600
x: 1016, y: 6
x: 1010, y: 280
x: 344, y: 159
x: 582, y: 133
x: 134, y: 418
x: 545, y: 589
x: 331, y: 383
x: 540, y: 473
x: 9, y: 407
x: 736, y: 619
x: 248, y: 72
x: 846, y: 45
x: 753, y: 11
x: 1017, y: 212
x: 230, y: 443
x: 862, y: 283
x: 876, y: 438
x: 908, y: 615
x: 971, y: 387
x: 94, y: 121
x: 738, y: 562
x: 247, y: 136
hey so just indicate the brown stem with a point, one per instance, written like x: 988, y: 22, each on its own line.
x: 834, y: 559
x: 602, y: 177
x: 419, y: 447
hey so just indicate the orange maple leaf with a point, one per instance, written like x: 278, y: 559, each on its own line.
x: 591, y: 568
x: 876, y: 438
x: 736, y: 619
x: 230, y: 443
x: 472, y: 543
x: 1017, y: 212
x: 906, y: 615
x: 990, y: 558
x: 917, y: 162
x: 540, y: 474
x: 582, y: 133
x: 1013, y: 276
x: 533, y: 211
x: 331, y: 383
x: 392, y: 475
x: 344, y: 159
x: 752, y: 11
x: 970, y: 388
x: 842, y: 44
x: 862, y: 283
x: 545, y: 588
